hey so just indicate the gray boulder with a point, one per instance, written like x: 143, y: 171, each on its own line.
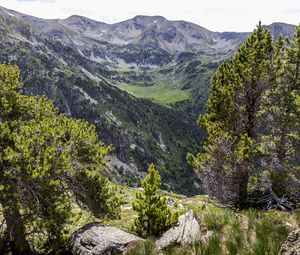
x: 186, y: 231
x: 292, y: 244
x: 99, y: 239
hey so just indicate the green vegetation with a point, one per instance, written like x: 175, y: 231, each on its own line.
x: 161, y: 93
x: 216, y: 218
x: 154, y: 215
x: 51, y: 165
x: 143, y: 248
x: 48, y: 163
x: 281, y: 106
x: 120, y: 118
x: 253, y: 124
x: 248, y: 232
x: 235, y: 241
x: 186, y: 83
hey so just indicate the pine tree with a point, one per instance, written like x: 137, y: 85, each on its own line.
x: 154, y: 216
x: 281, y: 119
x: 232, y: 121
x: 46, y: 161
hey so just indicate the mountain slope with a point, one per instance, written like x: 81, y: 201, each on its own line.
x: 141, y: 132
x: 174, y: 59
x: 84, y: 66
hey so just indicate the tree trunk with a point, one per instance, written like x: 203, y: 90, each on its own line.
x: 229, y: 188
x: 15, y: 231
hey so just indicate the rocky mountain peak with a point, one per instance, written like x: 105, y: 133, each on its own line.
x: 284, y: 29
x: 143, y: 31
x: 148, y: 19
x: 81, y: 23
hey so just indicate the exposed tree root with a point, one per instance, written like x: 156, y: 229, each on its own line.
x: 270, y: 201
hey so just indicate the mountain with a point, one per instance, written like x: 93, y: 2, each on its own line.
x: 279, y: 28
x: 171, y: 36
x: 104, y: 74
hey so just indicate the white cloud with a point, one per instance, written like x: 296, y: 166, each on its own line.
x: 216, y: 15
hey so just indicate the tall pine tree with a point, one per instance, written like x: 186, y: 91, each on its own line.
x: 280, y: 141
x: 232, y: 121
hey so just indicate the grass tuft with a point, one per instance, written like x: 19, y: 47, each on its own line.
x: 213, y: 247
x: 143, y: 248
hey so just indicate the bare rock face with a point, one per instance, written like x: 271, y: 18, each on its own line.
x: 99, y: 239
x: 292, y: 244
x: 186, y: 231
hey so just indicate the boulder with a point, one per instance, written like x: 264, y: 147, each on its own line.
x: 99, y: 239
x: 292, y: 244
x: 186, y: 231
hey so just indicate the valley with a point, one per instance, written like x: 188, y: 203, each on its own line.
x: 148, y: 136
x: 142, y: 82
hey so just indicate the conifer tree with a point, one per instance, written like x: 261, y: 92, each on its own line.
x: 281, y: 119
x: 232, y: 121
x: 154, y: 215
x: 48, y: 162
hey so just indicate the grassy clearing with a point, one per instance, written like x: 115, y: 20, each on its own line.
x: 161, y: 93
x: 249, y: 232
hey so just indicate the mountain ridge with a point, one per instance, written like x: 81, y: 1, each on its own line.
x: 184, y: 35
x: 135, y: 17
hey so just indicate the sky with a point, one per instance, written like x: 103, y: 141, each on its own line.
x: 215, y: 15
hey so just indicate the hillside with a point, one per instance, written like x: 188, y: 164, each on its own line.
x: 84, y: 66
x: 225, y: 231
x: 87, y: 107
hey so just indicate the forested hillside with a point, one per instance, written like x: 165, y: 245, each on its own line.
x: 85, y: 66
x: 86, y: 108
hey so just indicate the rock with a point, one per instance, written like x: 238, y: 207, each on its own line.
x: 99, y: 239
x: 292, y: 244
x: 205, y: 238
x: 182, y: 196
x: 186, y: 231
x: 180, y: 206
x: 290, y: 226
x: 197, y: 185
x: 126, y: 208
x: 171, y: 202
x: 245, y: 222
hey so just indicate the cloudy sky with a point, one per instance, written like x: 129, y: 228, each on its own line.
x: 216, y: 15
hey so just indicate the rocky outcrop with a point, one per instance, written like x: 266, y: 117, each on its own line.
x: 97, y: 238
x: 186, y: 231
x: 292, y: 244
